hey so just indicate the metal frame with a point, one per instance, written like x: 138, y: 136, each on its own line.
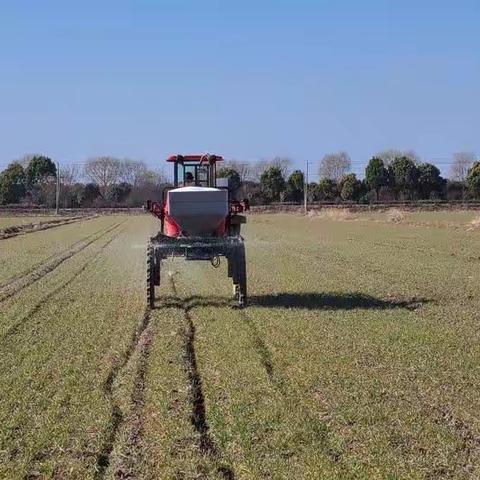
x: 232, y: 248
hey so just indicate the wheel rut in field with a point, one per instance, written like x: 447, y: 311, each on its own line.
x: 264, y: 353
x: 45, y: 261
x: 16, y: 230
x: 206, y: 443
x: 36, y: 275
x: 37, y: 307
x: 140, y: 341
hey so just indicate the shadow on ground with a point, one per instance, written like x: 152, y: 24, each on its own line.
x: 304, y: 301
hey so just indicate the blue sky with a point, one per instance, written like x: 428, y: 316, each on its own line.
x: 249, y: 80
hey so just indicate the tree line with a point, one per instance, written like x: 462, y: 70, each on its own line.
x: 108, y: 181
x: 389, y: 176
x: 99, y: 182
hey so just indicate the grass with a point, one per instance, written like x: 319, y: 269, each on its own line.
x: 357, y: 357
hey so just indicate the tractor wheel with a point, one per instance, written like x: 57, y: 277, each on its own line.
x: 230, y: 259
x: 157, y: 269
x: 150, y: 277
x: 234, y: 230
x: 241, y: 275
x: 233, y: 270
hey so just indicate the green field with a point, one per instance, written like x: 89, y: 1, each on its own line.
x: 358, y: 357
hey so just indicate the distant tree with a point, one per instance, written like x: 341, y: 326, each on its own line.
x: 244, y: 169
x: 104, y: 171
x: 350, y: 187
x: 429, y: 180
x: 90, y: 194
x: 39, y: 169
x: 256, y: 169
x: 313, y: 192
x: 272, y: 183
x: 119, y: 192
x: 149, y: 187
x: 376, y: 175
x: 76, y: 196
x: 253, y: 191
x: 455, y: 190
x: 295, y: 186
x: 328, y: 189
x: 12, y: 184
x: 69, y: 175
x: 232, y: 175
x: 132, y: 172
x: 404, y: 174
x: 388, y: 156
x: 462, y: 162
x: 283, y: 163
x: 334, y: 165
x: 473, y: 180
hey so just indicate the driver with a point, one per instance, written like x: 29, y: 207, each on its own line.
x: 189, y: 180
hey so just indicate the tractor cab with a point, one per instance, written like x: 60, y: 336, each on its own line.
x: 195, y: 170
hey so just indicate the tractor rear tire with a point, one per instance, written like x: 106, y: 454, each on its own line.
x: 150, y: 277
x: 157, y: 269
x: 241, y: 274
x: 237, y: 270
x: 230, y: 261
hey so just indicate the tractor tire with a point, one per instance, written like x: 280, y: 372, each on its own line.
x: 241, y: 276
x: 230, y: 265
x: 158, y: 261
x: 150, y: 277
x: 234, y: 230
x: 233, y: 270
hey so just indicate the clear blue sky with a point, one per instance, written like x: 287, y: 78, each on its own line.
x: 246, y: 79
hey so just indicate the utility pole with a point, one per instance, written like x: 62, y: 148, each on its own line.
x: 57, y: 192
x: 305, y: 189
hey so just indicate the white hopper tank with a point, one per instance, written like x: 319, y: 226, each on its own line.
x: 198, y: 210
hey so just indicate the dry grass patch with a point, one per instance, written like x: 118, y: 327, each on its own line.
x: 474, y: 224
x: 335, y: 214
x: 395, y: 215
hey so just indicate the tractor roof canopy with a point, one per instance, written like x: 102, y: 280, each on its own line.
x: 202, y: 159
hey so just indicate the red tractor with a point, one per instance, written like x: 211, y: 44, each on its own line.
x: 199, y: 221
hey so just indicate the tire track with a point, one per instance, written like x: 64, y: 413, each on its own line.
x: 198, y: 417
x: 15, y: 328
x: 264, y: 353
x: 45, y: 269
x: 280, y: 384
x: 16, y: 230
x: 141, y: 340
x: 43, y: 262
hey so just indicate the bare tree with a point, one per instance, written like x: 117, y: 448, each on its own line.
x: 335, y: 165
x: 132, y: 172
x: 103, y: 171
x: 462, y: 161
x: 244, y: 169
x: 152, y: 177
x: 69, y: 175
x: 283, y: 163
x: 389, y: 155
x: 257, y: 169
